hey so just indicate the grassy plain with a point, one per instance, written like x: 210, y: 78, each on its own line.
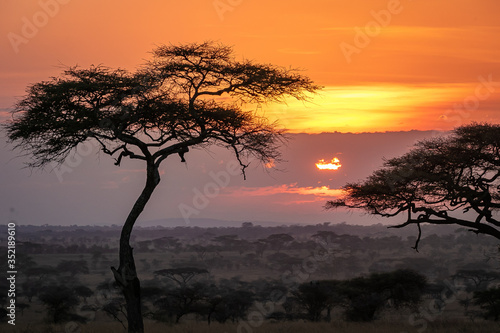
x: 439, y: 258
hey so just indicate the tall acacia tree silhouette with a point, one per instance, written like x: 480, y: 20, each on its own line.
x: 175, y: 101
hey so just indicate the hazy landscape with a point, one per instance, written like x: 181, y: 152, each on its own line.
x: 244, y: 266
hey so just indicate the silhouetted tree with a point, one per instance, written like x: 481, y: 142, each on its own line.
x: 278, y: 241
x: 167, y: 107
x: 234, y: 305
x: 479, y: 277
x: 489, y: 302
x: 212, y: 301
x: 439, y: 176
x: 364, y: 297
x: 83, y: 292
x: 185, y: 297
x: 317, y: 296
x: 60, y: 302
x: 181, y: 301
x: 182, y: 275
x: 115, y: 308
x: 260, y: 246
x: 231, y: 243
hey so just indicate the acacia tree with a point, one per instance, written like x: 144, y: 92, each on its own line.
x: 435, y: 181
x: 187, y: 96
x: 181, y: 275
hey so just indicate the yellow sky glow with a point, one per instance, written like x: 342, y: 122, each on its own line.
x: 386, y: 107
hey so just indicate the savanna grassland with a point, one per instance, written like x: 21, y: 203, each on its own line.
x: 223, y: 279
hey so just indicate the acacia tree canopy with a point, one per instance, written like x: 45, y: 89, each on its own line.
x: 187, y: 96
x: 437, y: 181
x: 163, y: 108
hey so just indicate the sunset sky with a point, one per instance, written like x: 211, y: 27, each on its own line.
x: 385, y: 65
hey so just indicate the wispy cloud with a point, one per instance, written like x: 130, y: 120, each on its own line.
x: 323, y: 191
x: 5, y: 112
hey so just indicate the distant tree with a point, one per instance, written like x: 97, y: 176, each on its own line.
x: 213, y: 299
x: 200, y: 250
x: 364, y: 297
x: 328, y: 237
x: 489, y: 302
x: 278, y: 241
x: 283, y: 261
x: 234, y: 305
x: 260, y: 246
x: 317, y: 296
x: 60, y: 302
x: 165, y: 243
x: 115, y: 309
x: 152, y: 290
x: 180, y: 301
x: 479, y: 277
x: 106, y: 289
x: 418, y: 264
x: 437, y: 178
x: 182, y: 275
x: 83, y: 292
x: 231, y: 243
x: 269, y: 290
x: 170, y: 105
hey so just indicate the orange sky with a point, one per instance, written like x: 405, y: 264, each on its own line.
x: 419, y: 59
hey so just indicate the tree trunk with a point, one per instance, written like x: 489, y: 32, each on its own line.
x: 126, y: 274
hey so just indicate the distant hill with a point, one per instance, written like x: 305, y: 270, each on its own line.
x: 197, y: 222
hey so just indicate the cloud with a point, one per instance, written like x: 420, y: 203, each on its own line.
x: 322, y: 191
x: 375, y: 107
x: 5, y: 113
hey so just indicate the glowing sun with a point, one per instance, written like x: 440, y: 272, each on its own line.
x: 334, y: 164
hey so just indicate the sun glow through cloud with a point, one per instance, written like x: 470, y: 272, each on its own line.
x: 334, y: 164
x: 378, y: 107
x: 320, y: 191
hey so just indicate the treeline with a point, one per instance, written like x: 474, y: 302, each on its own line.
x: 248, y: 237
x: 190, y: 293
x: 66, y: 273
